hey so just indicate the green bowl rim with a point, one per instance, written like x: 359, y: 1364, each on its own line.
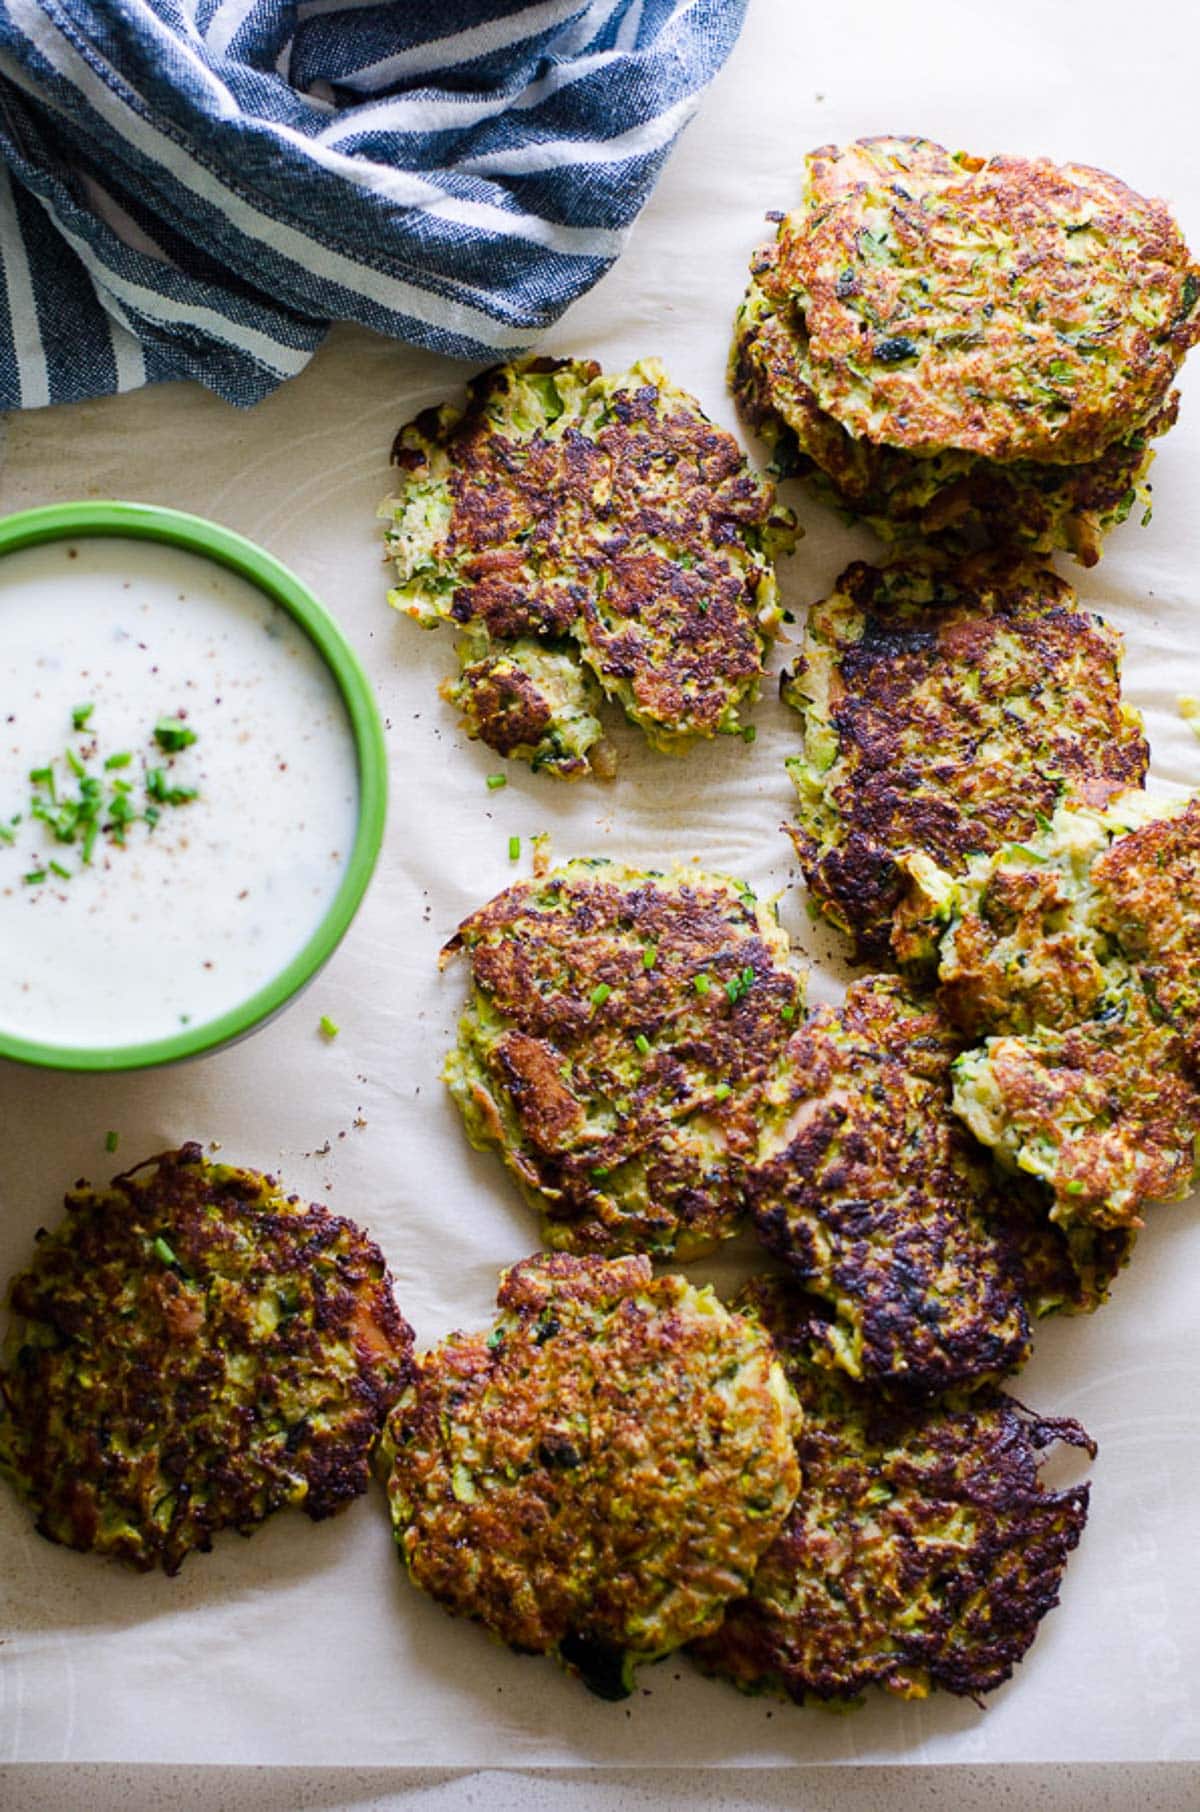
x: 150, y: 522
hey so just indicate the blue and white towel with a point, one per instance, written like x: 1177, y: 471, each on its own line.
x: 197, y: 188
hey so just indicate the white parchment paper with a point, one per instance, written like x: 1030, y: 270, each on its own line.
x: 305, y: 1645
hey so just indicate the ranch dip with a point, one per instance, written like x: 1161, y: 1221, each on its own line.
x: 176, y: 685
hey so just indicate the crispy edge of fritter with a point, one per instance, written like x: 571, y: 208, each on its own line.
x: 849, y: 1440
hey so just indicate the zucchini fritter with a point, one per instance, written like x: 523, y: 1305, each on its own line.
x: 191, y: 1350
x: 923, y: 1551
x: 865, y: 1185
x: 947, y: 708
x: 969, y: 346
x: 599, y: 1475
x: 568, y: 520
x: 1075, y: 957
x: 615, y: 1046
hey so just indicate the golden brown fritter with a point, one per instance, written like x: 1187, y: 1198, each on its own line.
x: 947, y: 707
x: 926, y: 1263
x: 922, y: 1552
x: 1008, y: 307
x: 1100, y: 1111
x: 191, y: 1350
x: 617, y: 1039
x: 599, y: 1475
x: 968, y: 349
x: 1075, y: 957
x: 605, y: 524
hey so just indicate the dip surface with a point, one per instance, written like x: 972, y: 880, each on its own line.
x: 197, y: 913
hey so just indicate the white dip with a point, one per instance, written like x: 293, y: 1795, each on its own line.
x: 196, y: 913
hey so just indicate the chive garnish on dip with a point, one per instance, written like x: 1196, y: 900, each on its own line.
x: 172, y: 734
x: 84, y: 815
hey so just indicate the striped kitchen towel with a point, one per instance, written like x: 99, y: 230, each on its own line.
x: 197, y: 188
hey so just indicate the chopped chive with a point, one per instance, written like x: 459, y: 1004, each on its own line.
x: 701, y: 984
x: 76, y: 766
x: 514, y: 849
x: 787, y: 1012
x: 164, y: 1251
x: 182, y: 795
x: 600, y: 994
x: 152, y: 815
x: 643, y: 1044
x: 110, y: 1141
x: 496, y: 780
x: 34, y: 876
x: 599, y: 1173
x: 57, y: 868
x: 749, y: 733
x: 121, y: 759
x: 171, y: 734
x: 328, y: 1028
x: 45, y: 777
x: 1075, y: 1188
x: 740, y: 985
x: 89, y: 839
x: 6, y: 836
x: 80, y: 715
x: 649, y: 956
x: 722, y: 1092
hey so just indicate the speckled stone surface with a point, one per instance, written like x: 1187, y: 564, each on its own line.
x: 1160, y: 1788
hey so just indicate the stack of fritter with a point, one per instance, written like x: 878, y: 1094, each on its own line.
x: 967, y: 347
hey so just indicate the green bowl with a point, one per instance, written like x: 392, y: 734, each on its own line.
x: 146, y: 522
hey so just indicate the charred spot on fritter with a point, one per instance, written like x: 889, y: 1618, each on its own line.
x: 598, y: 1476
x: 922, y: 1552
x: 191, y: 1350
x: 618, y: 1037
x: 606, y: 522
x: 948, y: 708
